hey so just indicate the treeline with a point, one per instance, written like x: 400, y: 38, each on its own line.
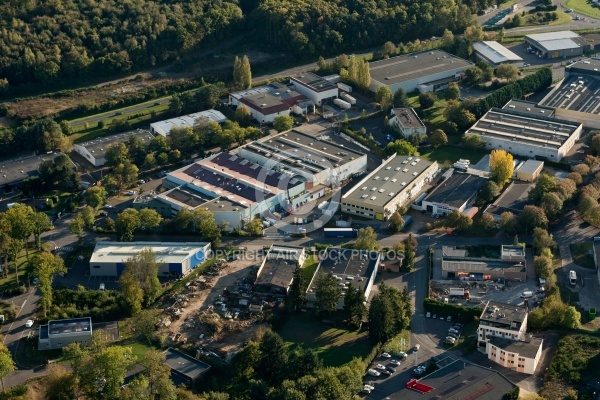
x: 48, y: 42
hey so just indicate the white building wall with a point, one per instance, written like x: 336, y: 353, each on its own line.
x: 521, y: 149
x: 316, y: 97
x: 394, y: 122
x: 412, y: 85
x: 85, y: 153
x: 268, y: 118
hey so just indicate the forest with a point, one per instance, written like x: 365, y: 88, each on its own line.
x: 60, y: 41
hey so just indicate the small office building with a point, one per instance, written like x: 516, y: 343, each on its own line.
x: 268, y: 102
x: 529, y: 171
x: 163, y: 128
x: 94, y: 150
x: 276, y: 272
x: 519, y: 355
x: 406, y: 122
x: 315, y: 88
x: 502, y: 320
x: 425, y: 71
x: 397, y: 181
x: 185, y: 369
x: 457, y: 192
x: 62, y: 332
x: 494, y: 54
x: 175, y: 259
x: 559, y: 44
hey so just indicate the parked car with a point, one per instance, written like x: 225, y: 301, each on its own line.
x: 129, y: 193
x: 386, y: 355
x: 454, y: 335
x: 442, y: 317
x: 369, y: 386
x: 386, y: 372
x: 373, y: 372
x: 391, y: 369
x: 450, y: 340
x: 449, y: 318
x: 417, y: 347
x: 380, y: 367
x: 452, y: 330
x: 365, y: 390
x: 102, y: 286
x: 428, y: 315
x: 29, y: 323
x: 395, y: 362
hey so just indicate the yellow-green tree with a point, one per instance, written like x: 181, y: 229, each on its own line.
x: 501, y: 166
x: 46, y: 266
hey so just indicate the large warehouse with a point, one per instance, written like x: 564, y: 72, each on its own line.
x: 314, y: 87
x: 526, y: 135
x: 457, y: 263
x: 275, y: 173
x: 18, y: 169
x: 174, y: 259
x: 576, y: 97
x: 268, y: 102
x: 457, y: 192
x: 556, y: 44
x: 494, y: 54
x: 94, y: 150
x: 396, y: 182
x: 163, y: 128
x: 425, y: 71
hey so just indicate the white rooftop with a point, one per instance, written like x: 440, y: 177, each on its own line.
x: 119, y: 252
x: 164, y: 127
x: 495, y: 52
x: 530, y: 166
x: 556, y: 40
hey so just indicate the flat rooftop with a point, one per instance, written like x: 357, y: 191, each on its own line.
x: 460, y: 380
x: 21, y: 168
x: 525, y: 349
x: 515, y: 197
x: 277, y: 272
x: 529, y: 107
x: 531, y: 166
x: 408, y: 118
x: 495, y: 52
x: 97, y: 147
x: 576, y: 92
x: 502, y: 313
x: 391, y: 177
x: 456, y: 189
x: 589, y: 66
x: 314, y: 82
x: 348, y: 266
x: 185, y: 365
x: 556, y: 41
x: 270, y: 97
x: 185, y: 197
x: 66, y: 326
x: 172, y: 252
x: 512, y: 251
x: 187, y: 121
x: 524, y: 128
x: 417, y: 65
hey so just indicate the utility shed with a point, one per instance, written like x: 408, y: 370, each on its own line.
x: 184, y: 369
x: 530, y: 170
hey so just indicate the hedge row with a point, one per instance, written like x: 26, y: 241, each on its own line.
x: 467, y: 314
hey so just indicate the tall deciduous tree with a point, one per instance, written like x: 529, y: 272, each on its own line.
x: 40, y: 223
x: 438, y: 138
x: 145, y: 269
x: 95, y: 196
x: 127, y: 222
x: 131, y: 292
x: 274, y: 357
x: 384, y: 97
x: 401, y: 99
x: 396, y: 222
x: 327, y: 293
x: 367, y: 239
x: 283, y: 123
x: 507, y: 71
x: 501, y: 166
x: 7, y: 365
x: 76, y: 226
x: 45, y: 267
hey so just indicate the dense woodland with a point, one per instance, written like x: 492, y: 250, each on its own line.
x: 59, y: 40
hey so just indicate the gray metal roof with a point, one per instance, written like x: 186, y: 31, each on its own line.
x: 524, y: 349
x: 495, y: 52
x: 553, y: 41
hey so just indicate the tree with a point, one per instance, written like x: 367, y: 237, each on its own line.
x: 447, y: 40
x: 144, y: 267
x: 508, y: 222
x: 89, y: 216
x: 116, y: 154
x: 464, y: 119
x: 427, y: 100
x: 354, y: 306
x: 552, y: 204
x: 507, y: 71
x: 438, y: 138
x: 144, y: 324
x: 452, y: 92
x: 327, y: 293
x: 532, y: 217
x: 242, y: 115
x: 40, y: 222
x: 203, y: 222
x: 274, y: 357
x: 489, y: 191
x: 408, y: 262
x: 541, y: 240
x: 401, y: 99
x: 237, y: 73
x: 157, y: 382
x: 400, y: 147
x: 283, y: 123
x: 473, y: 75
x: 542, y: 266
x: 112, y: 364
x: 384, y: 97
x: 149, y: 218
x: 246, y: 73
x: 297, y: 295
x: 367, y: 239
x: 95, y: 196
x: 7, y: 365
x: 501, y: 166
x: 571, y: 318
x: 45, y: 267
x: 127, y: 222
x: 473, y: 141
x: 383, y: 316
x: 131, y: 293
x: 396, y: 222
x: 487, y: 222
x: 544, y: 184
x: 254, y: 227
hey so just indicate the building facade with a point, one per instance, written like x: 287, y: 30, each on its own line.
x: 501, y: 320
x: 560, y: 44
x: 529, y: 171
x: 62, y: 332
x: 406, y: 122
x: 458, y: 264
x: 521, y: 356
x: 163, y: 128
x: 174, y: 259
x: 276, y: 272
x: 315, y: 88
x: 494, y: 54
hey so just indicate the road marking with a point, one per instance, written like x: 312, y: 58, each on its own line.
x: 17, y: 316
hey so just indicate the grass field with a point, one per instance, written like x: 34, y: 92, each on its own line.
x: 335, y: 346
x: 583, y: 7
x: 581, y: 256
x: 309, y: 267
x: 395, y: 345
x: 451, y: 154
x: 433, y: 115
x: 9, y: 283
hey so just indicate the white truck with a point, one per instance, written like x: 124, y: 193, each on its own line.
x: 348, y: 98
x: 457, y: 292
x: 344, y: 105
x: 344, y: 87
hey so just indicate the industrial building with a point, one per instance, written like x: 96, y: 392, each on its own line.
x: 456, y: 192
x: 62, y: 332
x: 529, y: 107
x: 501, y: 320
x: 94, y: 150
x: 425, y: 71
x: 15, y: 171
x: 518, y: 355
x: 184, y: 369
x: 577, y: 97
x: 406, y: 122
x: 456, y: 380
x: 529, y: 170
x: 458, y: 264
x: 494, y: 54
x: 514, y: 199
x: 396, y: 182
x: 348, y: 267
x: 268, y: 102
x: 560, y: 44
x: 525, y: 135
x: 174, y: 259
x: 318, y: 89
x: 283, y: 172
x: 276, y: 272
x: 163, y: 128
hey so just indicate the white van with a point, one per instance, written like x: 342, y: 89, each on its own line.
x: 527, y: 294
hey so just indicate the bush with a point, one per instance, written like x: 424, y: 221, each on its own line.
x: 322, y: 246
x: 467, y: 314
x: 102, y: 306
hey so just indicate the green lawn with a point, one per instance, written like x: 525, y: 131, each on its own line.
x: 9, y: 283
x: 309, y: 267
x: 433, y: 116
x: 335, y: 346
x: 581, y: 256
x: 395, y: 345
x: 451, y: 154
x: 583, y: 7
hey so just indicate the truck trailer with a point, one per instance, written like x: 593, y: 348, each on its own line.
x: 457, y: 292
x: 344, y: 105
x: 348, y: 98
x: 344, y: 87
x: 340, y: 232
